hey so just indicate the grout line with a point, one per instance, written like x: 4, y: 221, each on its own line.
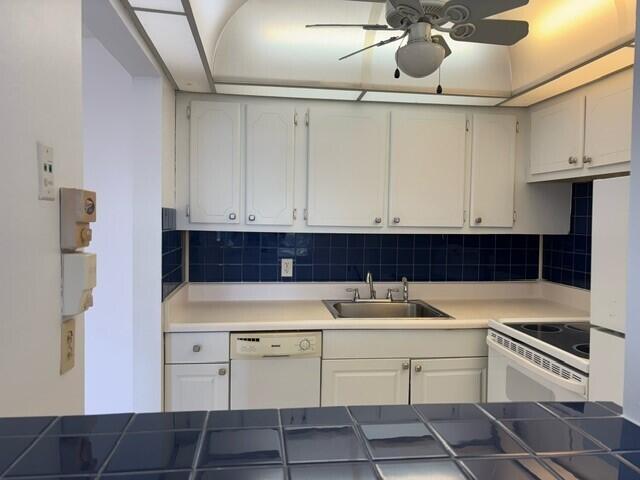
x: 363, y: 441
x: 283, y: 448
x: 199, y: 445
x: 115, y: 447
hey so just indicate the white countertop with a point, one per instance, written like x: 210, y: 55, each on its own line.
x: 252, y: 315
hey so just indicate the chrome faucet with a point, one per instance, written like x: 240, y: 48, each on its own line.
x: 369, y: 281
x: 405, y: 289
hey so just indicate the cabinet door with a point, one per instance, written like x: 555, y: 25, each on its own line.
x: 365, y: 382
x: 348, y: 152
x: 215, y: 162
x: 608, y: 123
x: 427, y: 169
x: 270, y: 164
x: 449, y: 380
x: 493, y: 169
x: 557, y: 136
x: 196, y: 387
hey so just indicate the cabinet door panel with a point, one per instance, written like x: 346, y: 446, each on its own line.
x: 493, y: 168
x: 608, y: 124
x: 197, y: 387
x: 449, y: 380
x: 557, y: 136
x: 427, y: 169
x: 215, y: 162
x: 365, y: 382
x: 270, y: 165
x: 348, y: 152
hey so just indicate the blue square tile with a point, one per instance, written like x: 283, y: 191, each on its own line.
x: 551, y: 437
x: 355, y: 257
x: 615, y: 433
x: 454, y: 273
x: 423, y: 470
x: 251, y: 273
x: 213, y: 273
x: 322, y: 444
x: 338, y: 256
x: 167, y: 421
x: 338, y: 240
x: 322, y: 240
x: 338, y: 273
x: 252, y: 239
x: 388, y: 256
x: 405, y: 256
x: 242, y: 473
x: 406, y: 241
x: 336, y: 471
x: 237, y: 419
x: 176, y: 475
x: 591, y: 467
x: 269, y: 273
x: 166, y: 450
x: 321, y: 273
x: 287, y: 240
x: 387, y: 273
x: 404, y: 271
x: 461, y: 411
x: 487, y: 241
x: 579, y: 409
x: 251, y: 255
x: 304, y: 240
x: 516, y: 411
x: 313, y: 417
x: 473, y: 438
x: 438, y: 273
x: 508, y: 469
x: 355, y: 273
x: 373, y: 241
x: 401, y: 440
x: 269, y: 240
x: 439, y: 241
x: 421, y: 256
x: 355, y: 240
x: 250, y: 446
x: 422, y: 241
x: 389, y: 241
x: 68, y: 455
x: 232, y: 273
x: 303, y: 273
x: 89, y: 424
x: 196, y: 273
x: 24, y: 425
x: 384, y: 414
x: 321, y: 256
x: 304, y: 256
x: 11, y: 448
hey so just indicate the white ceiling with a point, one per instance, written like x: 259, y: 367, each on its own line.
x: 257, y: 47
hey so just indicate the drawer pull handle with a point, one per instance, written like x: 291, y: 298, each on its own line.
x: 196, y: 348
x: 222, y: 372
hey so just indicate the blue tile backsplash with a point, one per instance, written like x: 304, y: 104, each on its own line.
x: 172, y: 253
x: 325, y: 257
x: 567, y: 258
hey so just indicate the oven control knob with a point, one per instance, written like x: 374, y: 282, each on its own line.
x: 304, y: 344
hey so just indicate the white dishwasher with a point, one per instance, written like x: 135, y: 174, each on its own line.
x: 275, y: 369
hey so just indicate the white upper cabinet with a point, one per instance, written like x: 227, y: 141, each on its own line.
x: 493, y: 168
x: 608, y: 124
x: 215, y: 162
x: 347, y: 172
x: 427, y: 169
x: 557, y: 136
x: 270, y: 164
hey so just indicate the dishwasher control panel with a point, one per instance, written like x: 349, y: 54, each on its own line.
x: 276, y: 344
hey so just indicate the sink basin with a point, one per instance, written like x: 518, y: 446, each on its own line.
x: 364, y: 309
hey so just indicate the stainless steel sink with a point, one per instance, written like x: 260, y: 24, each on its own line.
x: 382, y: 309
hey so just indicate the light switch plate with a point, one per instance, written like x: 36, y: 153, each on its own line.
x: 286, y: 268
x: 67, y: 345
x: 46, y: 175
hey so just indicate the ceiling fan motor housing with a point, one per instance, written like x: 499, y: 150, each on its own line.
x: 403, y: 13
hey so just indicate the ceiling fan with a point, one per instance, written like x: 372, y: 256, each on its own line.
x: 463, y: 20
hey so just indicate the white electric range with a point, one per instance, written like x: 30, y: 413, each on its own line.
x: 538, y: 360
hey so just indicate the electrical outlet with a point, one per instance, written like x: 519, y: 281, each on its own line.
x: 68, y: 345
x: 286, y: 268
x: 46, y: 176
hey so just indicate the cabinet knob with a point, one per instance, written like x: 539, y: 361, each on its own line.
x: 405, y: 365
x: 573, y: 160
x: 418, y: 368
x: 396, y: 220
x: 478, y: 220
x: 587, y: 159
x: 196, y: 348
x: 378, y: 220
x: 252, y: 218
x: 232, y: 216
x: 222, y: 372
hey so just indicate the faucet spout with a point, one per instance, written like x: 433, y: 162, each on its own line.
x: 369, y: 281
x: 405, y: 289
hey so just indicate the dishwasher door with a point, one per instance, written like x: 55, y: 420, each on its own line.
x: 280, y: 382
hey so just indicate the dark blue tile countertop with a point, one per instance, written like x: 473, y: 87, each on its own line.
x: 518, y: 441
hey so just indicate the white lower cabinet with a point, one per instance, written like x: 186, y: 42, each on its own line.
x: 197, y: 387
x: 365, y: 382
x: 449, y: 380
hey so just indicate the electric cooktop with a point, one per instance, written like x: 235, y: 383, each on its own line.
x: 571, y: 337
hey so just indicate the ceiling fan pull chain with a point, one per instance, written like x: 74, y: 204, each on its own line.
x: 439, y: 89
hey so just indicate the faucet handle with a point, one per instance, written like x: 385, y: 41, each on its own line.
x: 390, y: 292
x: 356, y: 293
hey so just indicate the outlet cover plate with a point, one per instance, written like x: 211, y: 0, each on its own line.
x: 67, y: 345
x: 286, y: 268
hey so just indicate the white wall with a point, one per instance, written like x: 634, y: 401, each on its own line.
x: 168, y: 146
x: 108, y: 98
x: 40, y: 61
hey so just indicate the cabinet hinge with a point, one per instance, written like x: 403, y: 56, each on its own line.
x: 517, y: 127
x: 468, y: 126
x: 189, y: 111
x: 464, y: 217
x: 188, y: 211
x: 515, y: 216
x: 295, y: 119
x: 306, y: 118
x: 306, y: 214
x: 295, y: 213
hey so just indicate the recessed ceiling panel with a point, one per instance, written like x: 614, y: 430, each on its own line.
x: 168, y: 5
x: 288, y: 92
x: 425, y: 98
x: 173, y: 39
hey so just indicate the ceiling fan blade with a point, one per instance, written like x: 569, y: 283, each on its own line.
x: 479, y: 9
x: 379, y: 44
x: 495, y: 32
x: 352, y: 25
x: 439, y: 39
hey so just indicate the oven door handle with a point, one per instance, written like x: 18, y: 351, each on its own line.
x: 579, y: 388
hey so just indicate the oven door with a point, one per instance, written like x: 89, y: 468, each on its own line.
x: 518, y: 373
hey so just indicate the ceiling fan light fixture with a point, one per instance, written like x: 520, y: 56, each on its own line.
x: 420, y: 59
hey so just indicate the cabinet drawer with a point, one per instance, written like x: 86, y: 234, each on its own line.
x: 196, y: 347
